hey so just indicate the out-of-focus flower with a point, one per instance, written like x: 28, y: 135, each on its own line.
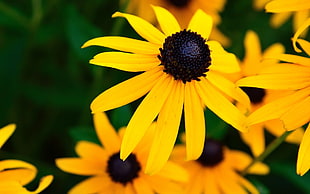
x: 15, y: 174
x: 217, y: 170
x: 181, y: 68
x: 110, y: 174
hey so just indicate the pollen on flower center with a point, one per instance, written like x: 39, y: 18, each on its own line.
x: 212, y: 153
x: 179, y: 3
x: 185, y: 55
x: 123, y: 171
x: 256, y: 95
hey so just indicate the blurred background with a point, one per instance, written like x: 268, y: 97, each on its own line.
x: 47, y: 84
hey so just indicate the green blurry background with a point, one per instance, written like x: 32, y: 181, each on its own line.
x: 47, y: 84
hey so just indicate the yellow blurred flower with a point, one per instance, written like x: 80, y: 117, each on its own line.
x: 15, y: 174
x: 180, y: 68
x: 217, y: 170
x: 110, y: 174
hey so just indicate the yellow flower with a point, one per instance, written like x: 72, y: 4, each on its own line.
x: 183, y: 10
x: 110, y: 174
x: 293, y: 109
x: 182, y: 68
x: 216, y: 170
x: 252, y: 64
x: 15, y: 174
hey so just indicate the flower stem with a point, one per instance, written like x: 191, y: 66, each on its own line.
x: 14, y: 15
x: 269, y: 149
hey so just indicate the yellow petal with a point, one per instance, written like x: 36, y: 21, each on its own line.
x: 303, y: 160
x: 294, y: 59
x: 93, y: 185
x: 194, y: 122
x: 218, y: 104
x: 44, y: 182
x: 126, y: 91
x: 124, y: 44
x: 299, y: 18
x: 297, y: 34
x: 90, y: 150
x: 195, y: 184
x: 143, y: 28
x: 126, y: 61
x: 285, y: 6
x: 227, y: 180
x: 6, y: 132
x: 253, y: 53
x: 255, y: 139
x: 210, y: 183
x: 162, y: 185
x: 7, y: 164
x: 201, y: 23
x: 167, y: 129
x: 166, y: 20
x: 305, y: 45
x: 80, y: 166
x: 145, y: 114
x: 106, y: 132
x: 142, y: 187
x: 21, y: 175
x: 221, y: 60
x: 246, y: 184
x: 174, y: 172
x: 278, y: 19
x: 129, y: 189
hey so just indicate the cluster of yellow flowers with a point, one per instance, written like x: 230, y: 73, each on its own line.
x: 185, y: 70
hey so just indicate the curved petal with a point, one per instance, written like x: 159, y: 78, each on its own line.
x: 44, y: 182
x: 106, y: 132
x: 90, y: 150
x: 277, y: 6
x: 126, y: 92
x: 126, y: 61
x: 166, y: 20
x: 174, y: 172
x: 14, y: 164
x: 255, y: 139
x: 303, y: 160
x: 168, y: 123
x: 143, y: 28
x: 21, y: 175
x: 194, y: 122
x: 92, y: 185
x: 247, y: 185
x: 298, y: 32
x: 6, y: 132
x: 124, y: 44
x: 218, y: 104
x: 145, y: 114
x: 201, y: 23
x: 294, y: 59
x: 305, y: 45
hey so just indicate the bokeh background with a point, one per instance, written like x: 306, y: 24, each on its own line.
x: 47, y: 84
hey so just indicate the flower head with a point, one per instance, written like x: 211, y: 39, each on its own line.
x: 182, y: 69
x: 109, y: 173
x: 15, y: 174
x: 216, y: 170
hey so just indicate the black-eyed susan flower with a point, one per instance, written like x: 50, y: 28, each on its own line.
x: 183, y: 10
x: 110, y: 174
x: 253, y: 62
x: 15, y: 174
x: 293, y: 109
x: 182, y: 70
x: 217, y: 170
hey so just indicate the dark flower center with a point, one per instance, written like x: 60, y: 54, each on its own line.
x: 123, y: 171
x: 212, y: 153
x: 179, y: 3
x: 256, y: 95
x: 185, y: 55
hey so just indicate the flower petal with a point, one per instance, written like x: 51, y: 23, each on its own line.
x: 124, y: 44
x: 255, y: 139
x: 126, y: 91
x: 90, y: 150
x: 303, y: 160
x: 93, y: 185
x: 297, y: 34
x: 294, y: 59
x: 44, y: 182
x: 277, y: 6
x: 21, y: 175
x: 126, y: 61
x: 174, y: 172
x: 247, y: 185
x: 210, y: 182
x: 106, y: 133
x: 6, y: 132
x: 168, y: 123
x: 305, y: 45
x: 143, y: 28
x: 218, y: 104
x: 142, y: 187
x: 145, y: 114
x: 166, y: 20
x: 194, y: 122
x: 8, y: 164
x: 201, y: 23
x: 253, y: 53
x: 162, y: 185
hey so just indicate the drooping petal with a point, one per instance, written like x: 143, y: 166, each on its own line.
x: 227, y: 180
x: 106, y: 132
x: 80, y: 166
x: 201, y: 23
x: 126, y: 92
x: 126, y: 61
x: 255, y: 139
x: 166, y: 20
x: 194, y: 122
x: 92, y: 185
x: 305, y: 45
x: 218, y: 104
x: 277, y: 6
x: 297, y: 34
x: 246, y: 184
x: 6, y: 132
x: 173, y: 172
x: 143, y: 28
x: 167, y: 129
x: 294, y: 59
x: 303, y: 160
x: 145, y: 114
x: 44, y: 182
x: 86, y: 149
x: 124, y: 44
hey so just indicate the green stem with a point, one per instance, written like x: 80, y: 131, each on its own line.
x: 36, y: 13
x: 14, y: 15
x: 269, y: 149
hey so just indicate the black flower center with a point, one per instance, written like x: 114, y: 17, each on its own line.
x: 185, y: 55
x: 123, y: 171
x: 212, y: 153
x: 179, y: 3
x: 256, y: 95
